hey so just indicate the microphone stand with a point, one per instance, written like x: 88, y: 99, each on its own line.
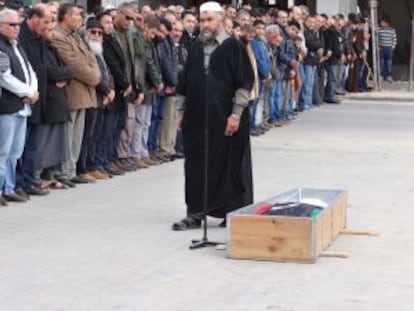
x: 204, y: 242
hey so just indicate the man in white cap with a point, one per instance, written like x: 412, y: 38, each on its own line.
x: 217, y: 79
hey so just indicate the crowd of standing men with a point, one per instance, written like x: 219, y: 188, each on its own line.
x: 86, y: 98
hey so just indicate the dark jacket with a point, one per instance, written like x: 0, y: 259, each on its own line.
x: 275, y: 70
x: 182, y: 55
x: 332, y: 43
x: 115, y: 60
x: 262, y: 57
x: 103, y: 88
x: 35, y: 48
x: 168, y: 62
x: 9, y: 102
x: 56, y: 109
x: 287, y: 52
x: 147, y: 74
x: 188, y: 40
x: 313, y: 44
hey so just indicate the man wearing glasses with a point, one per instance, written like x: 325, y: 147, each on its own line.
x: 129, y: 94
x: 20, y: 90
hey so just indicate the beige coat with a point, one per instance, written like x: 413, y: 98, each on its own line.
x: 74, y: 52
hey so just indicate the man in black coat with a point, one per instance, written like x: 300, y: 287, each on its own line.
x: 117, y: 64
x: 215, y: 88
x: 35, y: 47
x: 190, y: 32
x: 313, y: 45
x: 55, y: 113
x: 333, y: 54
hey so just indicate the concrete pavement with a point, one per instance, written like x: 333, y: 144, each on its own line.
x: 108, y: 246
x: 397, y: 91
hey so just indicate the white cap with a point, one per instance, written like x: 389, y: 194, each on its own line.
x: 211, y: 6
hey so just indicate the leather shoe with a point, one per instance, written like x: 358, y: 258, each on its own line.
x: 98, y: 175
x: 36, y: 190
x: 14, y: 197
x: 179, y: 155
x: 149, y: 161
x: 3, y: 201
x: 115, y: 170
x: 66, y: 182
x: 22, y: 193
x: 80, y: 180
x: 87, y: 177
x: 141, y: 164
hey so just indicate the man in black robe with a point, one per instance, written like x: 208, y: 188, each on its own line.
x: 217, y: 74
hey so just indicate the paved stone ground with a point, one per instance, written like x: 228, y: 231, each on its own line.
x: 108, y: 246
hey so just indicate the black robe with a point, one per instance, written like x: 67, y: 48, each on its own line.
x: 229, y: 159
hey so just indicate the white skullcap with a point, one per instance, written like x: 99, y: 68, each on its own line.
x: 211, y: 6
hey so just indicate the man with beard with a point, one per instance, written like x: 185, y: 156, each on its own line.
x: 87, y: 167
x: 218, y: 74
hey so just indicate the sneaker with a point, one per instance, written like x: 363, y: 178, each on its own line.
x: 390, y: 79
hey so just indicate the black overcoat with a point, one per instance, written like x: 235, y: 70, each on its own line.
x: 229, y: 159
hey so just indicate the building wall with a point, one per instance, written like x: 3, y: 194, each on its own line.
x: 332, y: 7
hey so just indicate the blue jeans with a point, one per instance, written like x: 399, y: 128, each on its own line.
x: 275, y: 100
x: 330, y: 89
x: 286, y: 108
x: 386, y: 61
x: 302, y: 85
x: 253, y: 107
x: 362, y: 77
x: 12, y: 138
x: 28, y: 170
x: 155, y: 127
x: 306, y: 98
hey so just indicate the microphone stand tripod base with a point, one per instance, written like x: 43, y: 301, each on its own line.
x: 196, y: 244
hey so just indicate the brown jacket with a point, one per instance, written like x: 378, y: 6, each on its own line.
x: 74, y: 52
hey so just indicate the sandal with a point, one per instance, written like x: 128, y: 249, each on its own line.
x: 187, y: 223
x: 56, y: 185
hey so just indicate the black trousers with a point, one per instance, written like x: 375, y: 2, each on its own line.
x: 91, y: 116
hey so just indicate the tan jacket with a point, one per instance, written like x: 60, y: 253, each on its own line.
x: 74, y: 52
